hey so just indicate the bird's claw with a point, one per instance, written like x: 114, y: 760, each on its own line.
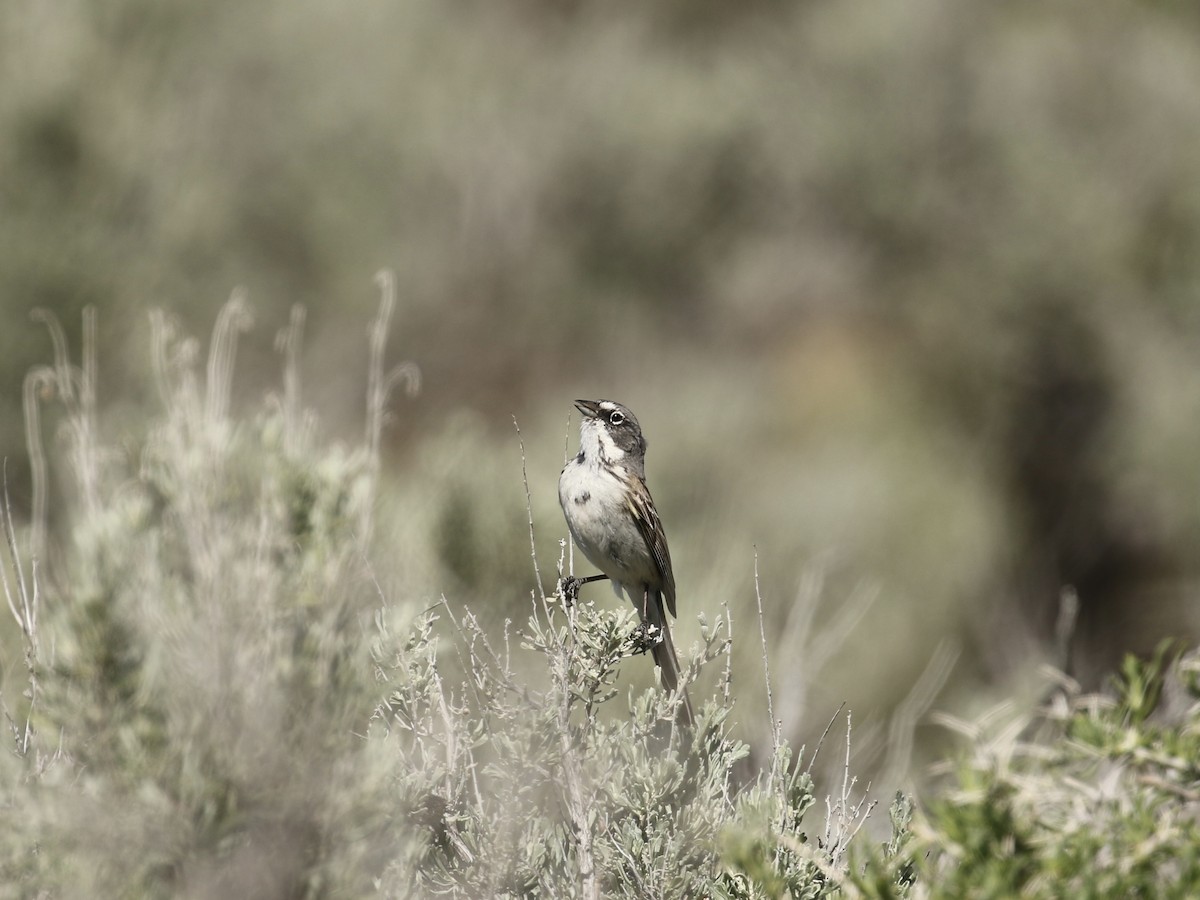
x: 568, y: 589
x: 645, y: 638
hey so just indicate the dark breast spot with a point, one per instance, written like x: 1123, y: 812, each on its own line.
x: 583, y: 498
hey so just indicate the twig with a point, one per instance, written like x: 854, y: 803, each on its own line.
x: 762, y: 633
x: 824, y: 734
x: 915, y: 704
x: 1157, y: 781
x: 1064, y: 627
x: 86, y: 454
x: 288, y: 342
x: 377, y: 341
x: 832, y: 637
x: 39, y: 380
x: 27, y: 613
x: 632, y: 867
x: 27, y: 618
x: 233, y: 318
x: 727, y: 675
x: 566, y: 457
x: 379, y: 386
x: 537, y: 571
x: 577, y: 802
x: 850, y: 816
x: 90, y: 369
x: 8, y: 592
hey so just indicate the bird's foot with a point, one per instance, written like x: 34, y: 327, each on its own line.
x: 568, y: 589
x: 645, y: 638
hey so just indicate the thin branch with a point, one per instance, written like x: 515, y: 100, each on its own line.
x: 26, y: 615
x: 915, y: 704
x: 233, y: 318
x: 837, y: 631
x: 90, y: 368
x: 727, y: 675
x: 566, y: 458
x: 1064, y: 627
x: 377, y: 335
x: 15, y: 558
x: 631, y: 865
x: 537, y: 571
x: 850, y: 816
x: 62, y: 359
x: 379, y: 385
x: 39, y: 381
x: 824, y: 734
x: 288, y: 342
x: 85, y: 426
x: 762, y: 633
x: 161, y: 332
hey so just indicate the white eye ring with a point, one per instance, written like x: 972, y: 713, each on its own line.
x: 616, y: 418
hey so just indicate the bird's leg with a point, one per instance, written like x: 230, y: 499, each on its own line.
x: 643, y: 639
x: 568, y: 587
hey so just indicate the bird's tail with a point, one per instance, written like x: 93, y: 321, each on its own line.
x: 668, y: 665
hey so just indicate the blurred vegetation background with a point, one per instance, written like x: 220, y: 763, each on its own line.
x: 905, y: 292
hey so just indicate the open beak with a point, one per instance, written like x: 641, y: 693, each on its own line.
x: 589, y: 408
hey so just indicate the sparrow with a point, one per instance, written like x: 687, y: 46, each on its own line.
x: 612, y: 519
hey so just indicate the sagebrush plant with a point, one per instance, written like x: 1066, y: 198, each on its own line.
x: 221, y: 699
x: 198, y: 669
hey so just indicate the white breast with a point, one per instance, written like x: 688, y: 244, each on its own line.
x: 593, y: 502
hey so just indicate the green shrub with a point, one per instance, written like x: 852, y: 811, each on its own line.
x: 1097, y: 798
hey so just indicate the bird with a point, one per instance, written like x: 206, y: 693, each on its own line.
x: 613, y: 520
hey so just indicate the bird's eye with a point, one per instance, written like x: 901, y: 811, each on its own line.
x: 616, y: 418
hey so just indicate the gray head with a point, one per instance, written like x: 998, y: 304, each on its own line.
x: 609, y: 432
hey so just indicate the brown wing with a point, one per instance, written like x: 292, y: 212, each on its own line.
x: 641, y: 506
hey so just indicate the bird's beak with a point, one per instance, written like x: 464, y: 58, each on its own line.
x: 589, y: 408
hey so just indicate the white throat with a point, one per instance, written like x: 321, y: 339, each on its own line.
x: 596, y: 444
